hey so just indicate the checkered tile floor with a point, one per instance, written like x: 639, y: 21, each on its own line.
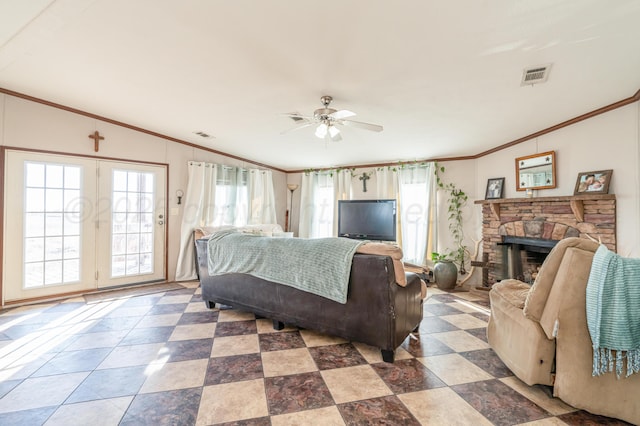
x: 164, y: 359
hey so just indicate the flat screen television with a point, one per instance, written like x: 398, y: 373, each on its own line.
x: 367, y: 219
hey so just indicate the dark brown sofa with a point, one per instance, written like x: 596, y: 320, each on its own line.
x: 378, y: 311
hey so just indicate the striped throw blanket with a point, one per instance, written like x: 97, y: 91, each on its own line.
x: 321, y: 266
x: 613, y: 313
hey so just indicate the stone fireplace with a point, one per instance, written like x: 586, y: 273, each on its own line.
x: 517, y: 233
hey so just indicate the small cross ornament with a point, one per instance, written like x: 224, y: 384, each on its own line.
x: 96, y: 140
x: 364, y: 179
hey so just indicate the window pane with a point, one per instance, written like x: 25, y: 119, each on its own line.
x: 53, y: 272
x: 146, y: 243
x: 53, y: 222
x: 71, y: 224
x: 33, y: 249
x: 35, y: 175
x: 147, y: 183
x: 146, y: 203
x: 118, y: 244
x: 33, y: 275
x: 119, y: 223
x: 72, y: 202
x: 133, y: 181
x: 119, y: 201
x: 119, y: 180
x: 34, y: 225
x: 53, y: 248
x: 54, y: 200
x: 146, y: 263
x: 146, y: 222
x: 71, y: 247
x: 133, y: 222
x: 72, y: 177
x: 55, y: 176
x: 133, y: 202
x: 34, y: 198
x: 117, y: 266
x: 71, y: 270
x: 133, y: 243
x: 132, y: 264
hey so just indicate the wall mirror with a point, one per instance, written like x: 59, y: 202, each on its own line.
x: 537, y: 171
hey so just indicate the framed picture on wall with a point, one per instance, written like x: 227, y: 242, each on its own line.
x: 495, y: 187
x: 593, y: 182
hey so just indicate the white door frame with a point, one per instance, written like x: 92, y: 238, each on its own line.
x: 10, y: 230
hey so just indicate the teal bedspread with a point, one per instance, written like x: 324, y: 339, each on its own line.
x: 613, y: 312
x: 320, y: 266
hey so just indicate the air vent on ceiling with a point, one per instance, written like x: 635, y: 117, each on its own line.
x: 535, y: 75
x: 204, y: 135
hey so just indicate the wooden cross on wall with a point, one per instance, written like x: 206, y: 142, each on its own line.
x: 364, y: 179
x: 96, y: 140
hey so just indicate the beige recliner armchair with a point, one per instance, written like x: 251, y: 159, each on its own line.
x: 540, y: 332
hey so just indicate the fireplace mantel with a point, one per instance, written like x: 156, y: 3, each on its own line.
x: 550, y: 218
x: 575, y: 201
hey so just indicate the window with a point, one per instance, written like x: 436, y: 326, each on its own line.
x: 414, y: 221
x: 132, y: 228
x: 52, y: 213
x: 231, y: 197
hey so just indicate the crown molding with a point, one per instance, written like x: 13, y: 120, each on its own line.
x: 624, y: 102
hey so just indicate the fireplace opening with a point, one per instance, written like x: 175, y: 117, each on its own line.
x: 522, y: 257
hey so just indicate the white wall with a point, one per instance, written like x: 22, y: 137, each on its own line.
x: 26, y: 124
x: 607, y: 141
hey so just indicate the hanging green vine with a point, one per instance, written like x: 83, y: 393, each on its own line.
x: 456, y: 200
x: 330, y: 172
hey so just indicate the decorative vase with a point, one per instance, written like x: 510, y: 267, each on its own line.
x: 445, y: 274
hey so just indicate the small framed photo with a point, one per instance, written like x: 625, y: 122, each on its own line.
x: 494, y: 188
x: 593, y: 182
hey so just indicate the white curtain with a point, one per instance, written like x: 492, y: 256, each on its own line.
x: 414, y: 188
x: 386, y: 184
x: 198, y: 210
x: 341, y: 191
x: 317, y: 201
x: 417, y: 193
x: 262, y: 201
x: 387, y: 189
x: 232, y: 197
x: 222, y: 195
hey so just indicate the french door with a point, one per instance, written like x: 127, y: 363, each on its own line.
x: 76, y: 224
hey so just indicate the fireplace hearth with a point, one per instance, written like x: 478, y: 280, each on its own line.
x: 521, y: 257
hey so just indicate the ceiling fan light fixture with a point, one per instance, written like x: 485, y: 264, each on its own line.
x: 321, y: 131
x: 327, y: 118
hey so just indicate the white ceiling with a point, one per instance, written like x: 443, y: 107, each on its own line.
x: 442, y: 77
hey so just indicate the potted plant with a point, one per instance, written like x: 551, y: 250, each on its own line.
x: 445, y: 272
x: 456, y: 200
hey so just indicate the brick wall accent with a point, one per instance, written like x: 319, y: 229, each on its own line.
x: 552, y: 218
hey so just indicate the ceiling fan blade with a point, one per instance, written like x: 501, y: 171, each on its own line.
x: 334, y: 132
x: 321, y: 131
x: 367, y: 126
x: 343, y: 113
x: 296, y: 116
x: 301, y: 125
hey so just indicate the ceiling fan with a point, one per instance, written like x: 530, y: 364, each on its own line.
x: 328, y: 119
